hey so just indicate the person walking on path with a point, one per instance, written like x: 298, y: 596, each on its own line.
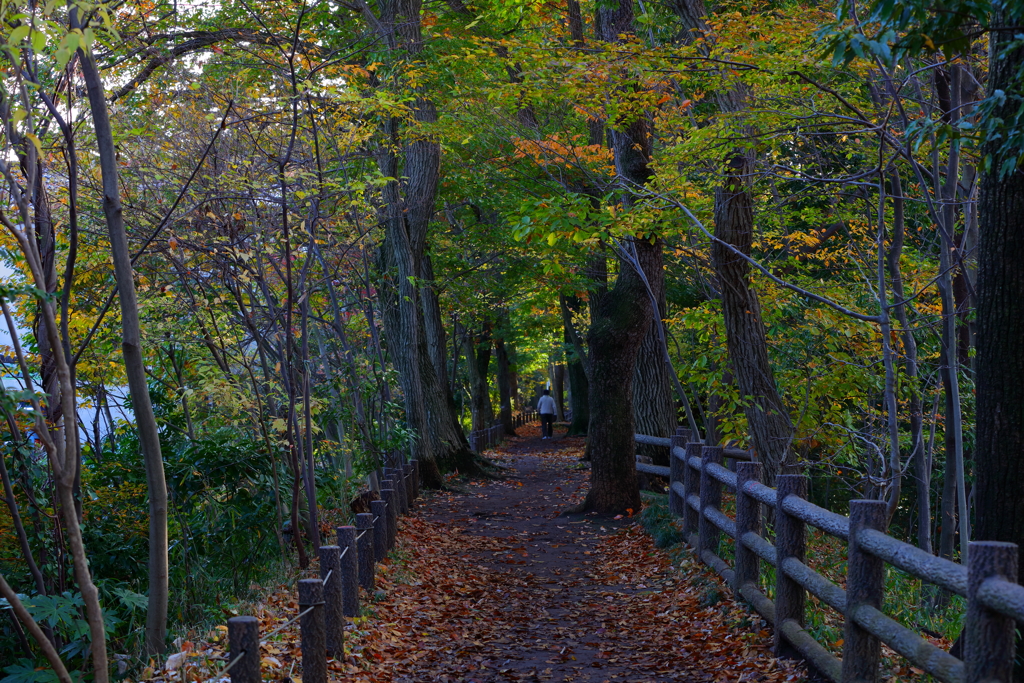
x: 546, y: 407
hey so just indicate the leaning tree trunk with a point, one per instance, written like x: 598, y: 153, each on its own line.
x: 654, y: 408
x: 135, y: 367
x: 999, y: 364
x: 768, y: 421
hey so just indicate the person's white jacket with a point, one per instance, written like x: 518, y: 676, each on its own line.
x: 546, y: 405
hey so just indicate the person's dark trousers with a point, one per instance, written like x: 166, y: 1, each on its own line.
x: 547, y: 424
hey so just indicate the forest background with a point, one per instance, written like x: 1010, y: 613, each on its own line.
x: 305, y: 236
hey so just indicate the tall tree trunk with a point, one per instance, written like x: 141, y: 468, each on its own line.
x: 621, y: 319
x: 408, y: 208
x: 513, y: 385
x: 947, y: 506
x: 999, y: 364
x: 478, y: 360
x: 432, y: 322
x: 401, y: 326
x: 654, y: 407
x: 576, y: 358
x: 448, y: 442
x: 922, y: 473
x: 558, y: 390
x: 504, y: 387
x: 767, y: 419
x: 769, y: 424
x: 135, y: 368
x: 579, y: 399
x: 621, y: 316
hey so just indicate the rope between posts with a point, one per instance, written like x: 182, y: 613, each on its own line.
x: 360, y: 535
x: 292, y: 620
x: 233, y: 662
x: 376, y: 518
x: 343, y: 553
x: 330, y: 572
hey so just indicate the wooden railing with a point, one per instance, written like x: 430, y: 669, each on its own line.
x: 994, y: 600
x: 482, y: 439
x: 325, y: 604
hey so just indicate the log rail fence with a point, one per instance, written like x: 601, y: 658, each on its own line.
x: 326, y: 602
x: 995, y: 602
x: 482, y: 439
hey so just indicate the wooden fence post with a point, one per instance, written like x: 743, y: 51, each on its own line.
x: 691, y: 484
x: 311, y: 631
x: 244, y: 640
x: 410, y: 493
x: 380, y: 529
x: 989, y: 636
x: 349, y: 571
x: 364, y: 545
x: 398, y: 484
x: 790, y: 541
x: 386, y: 496
x: 676, y: 475
x: 399, y: 475
x: 865, y: 578
x: 748, y: 518
x: 391, y: 500
x: 708, y: 535
x: 415, y: 478
x: 334, y: 618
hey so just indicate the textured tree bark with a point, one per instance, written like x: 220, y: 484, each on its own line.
x: 579, y: 387
x: 400, y: 314
x: 999, y: 364
x: 620, y: 322
x: 768, y: 421
x: 513, y: 383
x: 558, y: 390
x: 408, y: 207
x: 478, y: 360
x: 654, y: 407
x: 448, y: 442
x: 504, y: 387
x: 436, y: 341
x: 620, y: 316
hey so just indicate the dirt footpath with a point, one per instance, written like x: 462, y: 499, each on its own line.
x: 495, y: 585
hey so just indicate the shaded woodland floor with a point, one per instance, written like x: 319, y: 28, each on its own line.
x: 493, y: 584
x: 489, y: 582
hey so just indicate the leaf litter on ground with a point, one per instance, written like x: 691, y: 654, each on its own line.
x: 467, y: 597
